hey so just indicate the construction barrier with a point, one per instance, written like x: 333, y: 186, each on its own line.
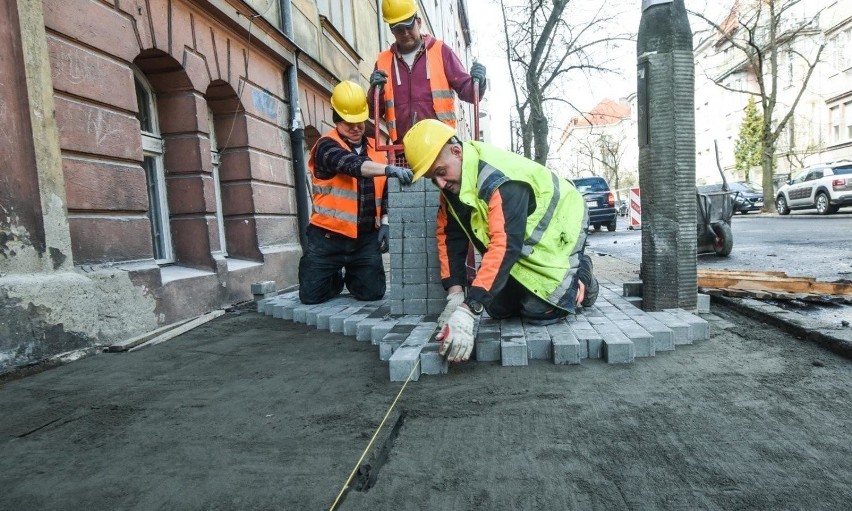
x: 634, y: 209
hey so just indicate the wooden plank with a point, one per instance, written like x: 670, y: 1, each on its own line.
x: 790, y: 285
x: 186, y: 327
x: 139, y: 339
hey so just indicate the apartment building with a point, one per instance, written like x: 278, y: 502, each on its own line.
x: 154, y: 154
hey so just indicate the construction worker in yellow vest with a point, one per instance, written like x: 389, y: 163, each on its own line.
x: 528, y: 224
x: 349, y: 224
x: 423, y: 73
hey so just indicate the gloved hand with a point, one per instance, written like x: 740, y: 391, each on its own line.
x: 404, y: 175
x: 378, y: 78
x: 453, y: 302
x: 384, y: 238
x: 457, y: 336
x: 477, y: 72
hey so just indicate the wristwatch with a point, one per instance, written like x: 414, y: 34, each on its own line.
x: 475, y: 307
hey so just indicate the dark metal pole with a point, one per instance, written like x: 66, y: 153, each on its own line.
x: 666, y: 98
x: 297, y: 130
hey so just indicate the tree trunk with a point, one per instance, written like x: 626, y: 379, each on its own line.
x: 768, y: 176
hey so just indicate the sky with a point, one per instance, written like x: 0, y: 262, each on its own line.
x: 487, y: 28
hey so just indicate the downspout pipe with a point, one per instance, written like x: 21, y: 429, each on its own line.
x: 297, y: 129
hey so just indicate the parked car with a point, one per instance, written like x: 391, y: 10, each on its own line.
x: 600, y: 201
x: 824, y: 187
x: 747, y: 196
x: 621, y: 207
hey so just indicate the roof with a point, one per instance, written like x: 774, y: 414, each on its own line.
x: 604, y: 113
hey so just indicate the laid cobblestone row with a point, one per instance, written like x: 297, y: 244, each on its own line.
x: 614, y: 330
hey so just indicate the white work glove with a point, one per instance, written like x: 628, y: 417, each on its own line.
x: 457, y: 337
x: 453, y: 302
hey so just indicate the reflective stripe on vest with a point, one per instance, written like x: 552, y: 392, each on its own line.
x: 555, y: 230
x: 335, y: 200
x: 443, y: 98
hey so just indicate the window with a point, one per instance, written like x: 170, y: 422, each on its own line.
x: 842, y: 55
x: 834, y: 124
x: 217, y: 189
x: 339, y: 13
x: 152, y: 151
x: 847, y: 109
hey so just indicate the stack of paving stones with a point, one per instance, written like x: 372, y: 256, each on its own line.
x: 614, y: 330
x: 415, y: 275
x: 403, y: 325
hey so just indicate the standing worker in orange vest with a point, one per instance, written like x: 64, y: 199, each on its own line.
x: 349, y: 228
x: 423, y: 72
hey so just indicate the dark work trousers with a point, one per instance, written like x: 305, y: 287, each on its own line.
x: 516, y: 300
x: 332, y: 260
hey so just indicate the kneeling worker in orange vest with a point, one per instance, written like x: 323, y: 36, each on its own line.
x: 529, y: 224
x: 349, y: 228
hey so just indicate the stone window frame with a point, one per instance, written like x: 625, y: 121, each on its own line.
x: 215, y: 158
x: 153, y: 151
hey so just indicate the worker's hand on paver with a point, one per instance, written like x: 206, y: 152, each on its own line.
x: 453, y: 302
x: 457, y: 336
x: 384, y: 238
x: 378, y: 78
x: 404, y: 175
x: 477, y: 72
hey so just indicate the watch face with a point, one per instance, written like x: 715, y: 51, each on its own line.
x: 475, y: 306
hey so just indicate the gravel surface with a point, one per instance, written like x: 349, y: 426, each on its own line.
x: 250, y: 412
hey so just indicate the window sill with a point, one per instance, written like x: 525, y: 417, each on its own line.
x: 241, y: 264
x: 172, y: 273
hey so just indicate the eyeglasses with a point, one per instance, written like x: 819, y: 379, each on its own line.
x: 401, y: 29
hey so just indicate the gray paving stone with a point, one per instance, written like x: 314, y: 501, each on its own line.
x: 260, y: 288
x: 679, y: 328
x: 566, y: 346
x: 538, y: 342
x: 276, y: 309
x: 350, y: 324
x: 431, y: 362
x: 643, y: 342
x: 335, y: 323
x: 591, y: 342
x: 381, y: 328
x: 618, y: 349
x: 300, y: 312
x: 632, y: 289
x: 699, y: 329
x: 663, y: 335
x: 405, y: 364
x: 703, y: 304
x: 488, y: 346
x: 323, y: 317
x: 513, y: 352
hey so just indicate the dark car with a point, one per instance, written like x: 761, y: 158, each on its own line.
x: 747, y: 196
x: 600, y: 201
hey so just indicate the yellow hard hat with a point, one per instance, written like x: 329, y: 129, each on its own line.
x: 394, y: 11
x: 350, y: 102
x: 423, y: 142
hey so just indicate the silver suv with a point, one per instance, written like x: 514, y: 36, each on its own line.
x: 824, y: 187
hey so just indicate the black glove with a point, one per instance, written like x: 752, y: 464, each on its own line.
x: 384, y: 238
x: 404, y: 175
x: 477, y: 72
x: 379, y: 78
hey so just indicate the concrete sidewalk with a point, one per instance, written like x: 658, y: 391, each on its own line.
x: 251, y: 412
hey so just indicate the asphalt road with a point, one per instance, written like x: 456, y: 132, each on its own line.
x: 800, y: 244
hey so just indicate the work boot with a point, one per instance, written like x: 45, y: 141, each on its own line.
x: 587, y: 277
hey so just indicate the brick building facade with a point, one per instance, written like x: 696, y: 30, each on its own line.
x: 149, y: 171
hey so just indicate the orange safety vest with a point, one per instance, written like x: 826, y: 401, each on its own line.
x: 443, y: 99
x: 336, y: 199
